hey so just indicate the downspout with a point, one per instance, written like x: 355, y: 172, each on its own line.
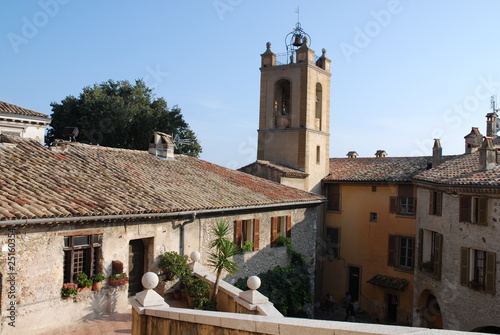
x: 181, y: 235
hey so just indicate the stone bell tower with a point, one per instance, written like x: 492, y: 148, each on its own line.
x: 294, y: 122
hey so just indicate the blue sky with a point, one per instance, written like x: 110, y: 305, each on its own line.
x: 403, y: 72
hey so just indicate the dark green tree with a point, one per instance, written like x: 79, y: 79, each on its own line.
x: 119, y: 114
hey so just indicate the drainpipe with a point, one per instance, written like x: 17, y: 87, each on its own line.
x: 181, y: 235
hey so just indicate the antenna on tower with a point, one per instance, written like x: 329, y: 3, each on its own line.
x: 493, y: 103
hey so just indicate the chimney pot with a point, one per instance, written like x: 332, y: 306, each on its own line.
x: 487, y: 155
x: 437, y: 153
x: 380, y: 153
x: 352, y: 154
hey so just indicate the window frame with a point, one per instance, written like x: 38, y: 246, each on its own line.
x: 333, y: 195
x: 435, y: 252
x: 435, y: 203
x: 277, y: 223
x: 473, y: 209
x: 332, y: 244
x: 255, y: 236
x: 92, y: 255
x: 394, y: 252
x: 468, y: 268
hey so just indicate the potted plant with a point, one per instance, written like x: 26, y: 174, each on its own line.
x: 83, y: 282
x: 69, y: 290
x: 118, y: 279
x: 97, y: 279
x: 282, y: 240
x: 172, y: 265
x: 177, y: 294
x: 198, y: 288
x: 202, y: 303
x: 247, y: 246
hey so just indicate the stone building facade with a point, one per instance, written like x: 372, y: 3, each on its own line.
x: 23, y: 122
x: 79, y: 208
x: 458, y: 245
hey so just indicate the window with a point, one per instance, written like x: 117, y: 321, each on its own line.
x: 280, y: 225
x: 405, y: 202
x: 333, y: 195
x: 247, y: 230
x: 318, y: 154
x: 282, y: 106
x: 332, y: 243
x: 430, y: 252
x: 373, y: 217
x: 374, y: 188
x: 477, y: 269
x: 473, y: 210
x: 401, y: 252
x: 435, y: 203
x: 318, y: 106
x: 82, y: 253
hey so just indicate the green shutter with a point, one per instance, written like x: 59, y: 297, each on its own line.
x: 464, y: 266
x: 490, y: 272
x: 465, y: 209
x: 420, y: 247
x: 438, y: 252
x: 482, y: 218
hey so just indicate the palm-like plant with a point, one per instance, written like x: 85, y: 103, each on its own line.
x: 222, y: 251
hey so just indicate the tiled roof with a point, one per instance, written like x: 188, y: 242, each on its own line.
x: 462, y: 170
x: 7, y: 108
x: 390, y: 282
x: 287, y: 171
x: 380, y: 169
x: 82, y: 180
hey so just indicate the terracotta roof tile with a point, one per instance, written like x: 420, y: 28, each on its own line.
x: 462, y: 170
x: 287, y: 171
x: 7, y: 108
x: 75, y: 179
x: 381, y: 169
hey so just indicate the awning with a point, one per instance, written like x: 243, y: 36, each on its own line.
x: 390, y: 282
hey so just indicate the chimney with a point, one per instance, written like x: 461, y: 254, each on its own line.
x: 491, y: 124
x: 352, y: 154
x: 437, y: 153
x: 380, y: 153
x: 487, y: 155
x: 162, y: 145
x: 473, y: 141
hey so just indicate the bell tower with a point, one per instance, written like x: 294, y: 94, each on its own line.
x: 294, y: 121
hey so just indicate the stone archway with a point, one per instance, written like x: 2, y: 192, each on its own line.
x: 487, y: 329
x: 430, y: 311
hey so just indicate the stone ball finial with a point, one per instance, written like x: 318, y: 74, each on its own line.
x: 268, y: 45
x: 150, y: 280
x: 253, y: 282
x: 323, y: 51
x: 195, y: 256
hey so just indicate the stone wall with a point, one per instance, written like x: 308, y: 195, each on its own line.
x: 459, y: 307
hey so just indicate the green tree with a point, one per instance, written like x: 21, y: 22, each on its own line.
x: 220, y: 257
x: 119, y: 114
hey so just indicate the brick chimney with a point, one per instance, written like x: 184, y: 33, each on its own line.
x: 162, y: 145
x: 380, y: 153
x: 487, y: 155
x: 437, y: 153
x: 352, y: 154
x: 473, y: 141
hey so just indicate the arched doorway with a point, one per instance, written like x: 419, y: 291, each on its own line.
x: 487, y: 329
x: 430, y: 311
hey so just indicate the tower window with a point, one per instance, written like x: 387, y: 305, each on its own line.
x: 282, y: 106
x: 318, y: 106
x: 318, y: 154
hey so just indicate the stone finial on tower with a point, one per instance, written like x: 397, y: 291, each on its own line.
x: 473, y: 141
x: 437, y: 153
x: 268, y: 57
x: 323, y: 62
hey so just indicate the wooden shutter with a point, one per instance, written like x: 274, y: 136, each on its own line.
x: 288, y: 226
x: 238, y: 224
x: 391, y: 256
x: 405, y: 191
x: 274, y: 230
x: 393, y: 204
x: 482, y: 217
x: 438, y: 255
x: 414, y: 205
x: 439, y: 203
x: 420, y: 247
x: 256, y: 234
x: 464, y: 266
x: 465, y: 209
x: 432, y: 202
x: 490, y: 272
x: 333, y: 197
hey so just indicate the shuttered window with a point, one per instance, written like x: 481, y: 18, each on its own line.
x: 435, y: 202
x: 333, y: 195
x: 473, y: 210
x: 82, y: 254
x: 478, y: 269
x: 401, y: 252
x: 247, y: 230
x: 280, y: 225
x: 405, y: 203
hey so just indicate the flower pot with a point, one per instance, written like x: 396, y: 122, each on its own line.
x: 177, y: 295
x: 190, y: 301
x: 118, y: 282
x: 96, y: 286
x: 83, y: 289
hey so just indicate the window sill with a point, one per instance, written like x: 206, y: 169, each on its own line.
x: 402, y: 269
x: 406, y: 216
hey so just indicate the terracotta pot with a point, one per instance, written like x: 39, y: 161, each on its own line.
x: 96, y: 286
x: 177, y: 295
x: 190, y: 301
x: 117, y: 282
x: 83, y: 289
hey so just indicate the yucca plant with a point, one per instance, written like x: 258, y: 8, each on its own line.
x: 220, y: 256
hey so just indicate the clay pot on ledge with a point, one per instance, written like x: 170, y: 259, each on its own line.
x: 96, y: 286
x: 118, y: 282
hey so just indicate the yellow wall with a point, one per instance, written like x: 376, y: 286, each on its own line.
x: 365, y: 244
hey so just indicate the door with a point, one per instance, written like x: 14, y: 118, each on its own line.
x: 354, y: 282
x: 135, y: 266
x: 392, y: 308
